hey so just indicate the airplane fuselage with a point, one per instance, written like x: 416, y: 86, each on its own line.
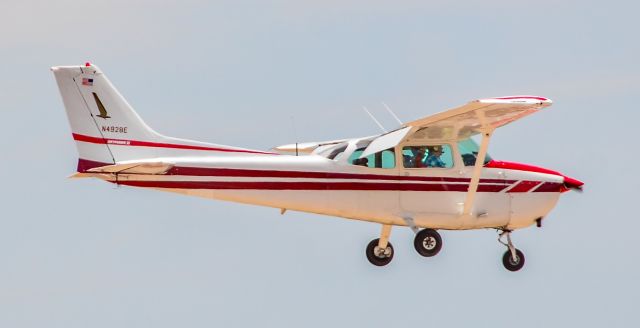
x: 506, y: 198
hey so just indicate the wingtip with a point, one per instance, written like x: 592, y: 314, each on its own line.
x: 519, y: 99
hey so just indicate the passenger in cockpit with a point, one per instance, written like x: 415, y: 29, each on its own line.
x: 433, y: 160
x: 361, y: 161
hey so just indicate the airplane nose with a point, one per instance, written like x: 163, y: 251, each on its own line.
x: 568, y: 183
x: 573, y: 184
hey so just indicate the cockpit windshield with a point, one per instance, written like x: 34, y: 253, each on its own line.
x: 469, y: 150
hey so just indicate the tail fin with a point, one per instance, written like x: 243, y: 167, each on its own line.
x: 107, y: 130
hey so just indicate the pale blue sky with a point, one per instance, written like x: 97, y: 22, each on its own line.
x: 86, y: 254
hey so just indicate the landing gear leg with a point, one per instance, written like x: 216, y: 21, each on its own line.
x: 380, y: 251
x: 513, y: 258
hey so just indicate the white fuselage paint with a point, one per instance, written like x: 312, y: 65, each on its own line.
x: 319, y: 185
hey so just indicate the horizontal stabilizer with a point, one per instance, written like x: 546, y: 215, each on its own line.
x: 134, y: 168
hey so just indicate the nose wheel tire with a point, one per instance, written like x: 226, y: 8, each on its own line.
x: 511, y: 263
x: 428, y: 242
x: 378, y: 256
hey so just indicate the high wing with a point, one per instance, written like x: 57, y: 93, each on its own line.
x: 475, y: 117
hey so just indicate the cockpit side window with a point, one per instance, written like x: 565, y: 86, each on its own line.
x: 469, y: 151
x: 385, y: 159
x: 428, y: 156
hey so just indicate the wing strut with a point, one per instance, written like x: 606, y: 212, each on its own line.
x: 477, y: 171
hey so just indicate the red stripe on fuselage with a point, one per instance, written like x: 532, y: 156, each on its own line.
x: 136, y: 143
x: 244, y: 185
x: 520, y: 167
x: 524, y: 186
x: 447, y: 184
x: 250, y: 173
x: 224, y: 172
x: 549, y: 187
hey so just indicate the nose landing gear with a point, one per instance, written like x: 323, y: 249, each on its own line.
x: 513, y: 258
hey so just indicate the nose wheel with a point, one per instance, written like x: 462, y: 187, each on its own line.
x: 513, y: 258
x: 512, y: 263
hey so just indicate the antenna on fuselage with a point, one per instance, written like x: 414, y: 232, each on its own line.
x: 392, y: 113
x: 295, y: 133
x: 375, y: 120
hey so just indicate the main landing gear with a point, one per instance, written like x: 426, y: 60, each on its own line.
x: 513, y: 258
x: 380, y: 251
x: 379, y: 255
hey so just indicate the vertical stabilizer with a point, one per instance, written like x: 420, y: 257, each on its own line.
x: 107, y: 130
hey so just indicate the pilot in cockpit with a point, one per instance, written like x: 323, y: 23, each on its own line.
x: 416, y: 158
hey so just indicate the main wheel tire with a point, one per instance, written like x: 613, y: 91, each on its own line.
x: 510, y: 264
x: 377, y: 256
x: 428, y: 242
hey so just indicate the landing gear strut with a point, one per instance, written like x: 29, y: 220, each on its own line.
x: 380, y: 251
x: 513, y: 258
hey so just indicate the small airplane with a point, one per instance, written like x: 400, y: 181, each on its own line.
x: 428, y: 174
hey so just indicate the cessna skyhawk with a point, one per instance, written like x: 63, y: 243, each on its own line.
x: 428, y: 174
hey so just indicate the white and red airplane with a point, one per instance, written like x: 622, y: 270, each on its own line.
x: 428, y: 174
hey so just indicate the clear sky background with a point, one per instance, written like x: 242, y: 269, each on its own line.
x: 83, y: 253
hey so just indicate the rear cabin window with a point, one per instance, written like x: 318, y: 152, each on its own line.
x: 428, y: 156
x: 385, y: 159
x: 337, y: 153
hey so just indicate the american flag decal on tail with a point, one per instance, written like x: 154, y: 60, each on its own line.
x: 87, y: 82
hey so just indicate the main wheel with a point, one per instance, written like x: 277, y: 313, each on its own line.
x: 428, y: 242
x: 378, y: 256
x: 511, y: 264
